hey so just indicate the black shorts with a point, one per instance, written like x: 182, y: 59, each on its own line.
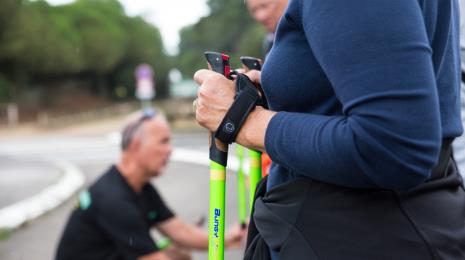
x: 307, y: 219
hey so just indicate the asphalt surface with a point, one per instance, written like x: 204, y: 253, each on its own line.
x: 18, y: 181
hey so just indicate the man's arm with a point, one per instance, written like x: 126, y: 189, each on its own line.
x: 183, y: 234
x: 155, y: 256
x: 167, y: 254
x: 193, y: 237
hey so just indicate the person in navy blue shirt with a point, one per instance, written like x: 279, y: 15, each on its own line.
x: 364, y: 101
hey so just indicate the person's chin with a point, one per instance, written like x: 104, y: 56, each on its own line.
x: 154, y: 173
x: 158, y: 172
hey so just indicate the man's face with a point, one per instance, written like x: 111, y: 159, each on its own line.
x: 267, y: 12
x: 155, y: 147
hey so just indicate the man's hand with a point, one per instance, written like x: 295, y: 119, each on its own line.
x: 176, y: 254
x: 184, y: 235
x: 235, y: 236
x: 171, y: 253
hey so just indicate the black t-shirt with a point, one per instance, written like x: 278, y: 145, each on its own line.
x: 112, y: 221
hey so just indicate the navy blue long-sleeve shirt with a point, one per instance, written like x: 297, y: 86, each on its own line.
x: 365, y: 90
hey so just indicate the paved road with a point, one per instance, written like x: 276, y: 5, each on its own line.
x: 19, y: 182
x: 184, y: 186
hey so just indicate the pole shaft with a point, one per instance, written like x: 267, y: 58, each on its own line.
x: 217, y: 206
x: 241, y: 190
x: 255, y: 173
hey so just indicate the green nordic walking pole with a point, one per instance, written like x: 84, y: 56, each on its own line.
x: 255, y: 174
x: 241, y: 200
x: 218, y: 159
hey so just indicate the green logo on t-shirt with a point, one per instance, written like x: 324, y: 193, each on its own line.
x: 85, y: 200
x: 152, y: 215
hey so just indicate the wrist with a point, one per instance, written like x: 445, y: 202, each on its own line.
x: 227, y: 242
x: 246, y: 99
x: 252, y: 133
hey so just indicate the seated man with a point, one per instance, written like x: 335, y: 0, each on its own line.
x: 115, y: 214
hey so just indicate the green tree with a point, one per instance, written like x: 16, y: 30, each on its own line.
x: 98, y: 24
x: 228, y: 28
x: 41, y: 41
x: 90, y: 40
x: 8, y: 10
x: 252, y: 41
x: 144, y: 45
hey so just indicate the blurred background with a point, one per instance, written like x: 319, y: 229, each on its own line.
x: 79, y: 56
x: 68, y: 81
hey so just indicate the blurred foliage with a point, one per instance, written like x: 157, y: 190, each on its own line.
x: 94, y: 43
x: 228, y: 28
x: 4, y: 89
x: 90, y: 40
x: 8, y: 9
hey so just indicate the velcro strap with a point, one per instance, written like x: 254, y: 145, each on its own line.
x: 216, y: 155
x: 245, y: 101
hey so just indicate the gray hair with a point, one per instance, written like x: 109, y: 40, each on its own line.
x: 130, y: 130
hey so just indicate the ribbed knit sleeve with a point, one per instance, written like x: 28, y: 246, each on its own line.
x: 377, y: 57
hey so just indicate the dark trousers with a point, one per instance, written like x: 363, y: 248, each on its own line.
x: 307, y: 219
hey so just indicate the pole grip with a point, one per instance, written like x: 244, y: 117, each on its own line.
x: 251, y: 63
x: 218, y: 62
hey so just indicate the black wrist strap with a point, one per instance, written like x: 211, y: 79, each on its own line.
x: 216, y: 155
x: 246, y: 99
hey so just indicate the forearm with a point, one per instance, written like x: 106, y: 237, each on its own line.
x: 191, y: 237
x: 155, y: 256
x: 252, y: 133
x: 171, y: 253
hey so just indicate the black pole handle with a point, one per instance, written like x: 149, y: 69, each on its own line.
x: 218, y: 62
x: 251, y: 63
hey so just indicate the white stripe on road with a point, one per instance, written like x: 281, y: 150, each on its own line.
x: 15, y: 215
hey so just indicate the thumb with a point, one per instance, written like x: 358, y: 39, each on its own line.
x: 254, y: 76
x: 201, y: 75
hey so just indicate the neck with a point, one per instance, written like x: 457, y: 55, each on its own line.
x: 132, y: 174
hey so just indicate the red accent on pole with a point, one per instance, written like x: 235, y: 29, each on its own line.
x: 225, y: 57
x: 227, y: 68
x: 266, y: 163
x: 227, y: 71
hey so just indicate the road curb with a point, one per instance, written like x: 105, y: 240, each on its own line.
x: 15, y: 215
